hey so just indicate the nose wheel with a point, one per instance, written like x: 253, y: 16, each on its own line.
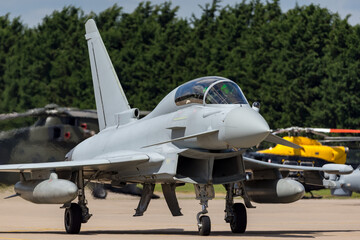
x: 203, y: 221
x: 204, y: 225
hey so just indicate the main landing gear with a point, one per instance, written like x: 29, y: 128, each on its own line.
x: 239, y: 219
x: 77, y: 213
x: 235, y: 213
x: 73, y: 218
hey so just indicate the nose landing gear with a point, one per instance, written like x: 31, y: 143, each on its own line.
x: 204, y: 193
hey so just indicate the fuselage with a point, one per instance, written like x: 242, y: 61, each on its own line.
x: 217, y: 125
x: 178, y: 125
x: 187, y: 121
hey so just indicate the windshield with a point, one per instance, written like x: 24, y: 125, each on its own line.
x: 218, y: 90
x: 193, y: 91
x: 225, y: 93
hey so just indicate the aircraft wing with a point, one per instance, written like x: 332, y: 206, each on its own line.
x: 257, y: 165
x: 121, y: 159
x: 310, y: 175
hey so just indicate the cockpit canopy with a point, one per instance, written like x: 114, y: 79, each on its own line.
x: 209, y: 90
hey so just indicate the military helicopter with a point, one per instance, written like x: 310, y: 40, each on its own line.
x: 56, y: 131
x: 313, y: 152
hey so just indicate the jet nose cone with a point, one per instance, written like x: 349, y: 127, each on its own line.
x: 243, y: 128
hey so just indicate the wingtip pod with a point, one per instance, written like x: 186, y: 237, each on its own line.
x: 337, y: 168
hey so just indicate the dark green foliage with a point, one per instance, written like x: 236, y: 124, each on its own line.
x: 302, y: 65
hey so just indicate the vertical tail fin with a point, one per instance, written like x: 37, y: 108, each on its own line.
x: 109, y: 95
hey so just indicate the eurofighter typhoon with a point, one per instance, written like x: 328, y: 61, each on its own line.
x: 196, y: 135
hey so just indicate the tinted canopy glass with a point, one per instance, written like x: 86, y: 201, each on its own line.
x: 193, y: 91
x: 225, y: 93
x: 221, y: 91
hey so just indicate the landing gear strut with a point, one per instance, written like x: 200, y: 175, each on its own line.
x: 77, y: 213
x: 204, y: 193
x: 235, y: 213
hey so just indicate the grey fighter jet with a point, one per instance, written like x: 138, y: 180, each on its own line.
x: 343, y: 185
x: 196, y: 134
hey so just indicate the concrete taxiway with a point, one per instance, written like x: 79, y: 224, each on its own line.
x: 112, y: 219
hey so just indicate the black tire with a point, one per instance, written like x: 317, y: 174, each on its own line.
x: 239, y: 221
x: 99, y: 192
x: 73, y: 219
x: 205, y: 228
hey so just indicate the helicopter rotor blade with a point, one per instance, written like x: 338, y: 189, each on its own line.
x: 335, y: 130
x: 319, y: 134
x: 30, y: 113
x: 49, y: 110
x: 55, y: 110
x: 318, y: 131
x: 340, y: 139
x: 290, y: 129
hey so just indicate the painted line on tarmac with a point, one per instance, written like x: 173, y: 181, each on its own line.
x: 31, y: 231
x: 7, y: 238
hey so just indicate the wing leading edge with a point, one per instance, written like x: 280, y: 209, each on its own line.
x: 93, y: 164
x: 257, y: 165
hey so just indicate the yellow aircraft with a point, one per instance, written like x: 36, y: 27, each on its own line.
x: 313, y: 152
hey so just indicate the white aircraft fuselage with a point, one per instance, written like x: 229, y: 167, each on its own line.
x: 215, y: 127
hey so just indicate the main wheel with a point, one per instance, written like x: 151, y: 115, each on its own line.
x: 205, y: 228
x: 99, y: 192
x: 73, y: 219
x: 239, y: 221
